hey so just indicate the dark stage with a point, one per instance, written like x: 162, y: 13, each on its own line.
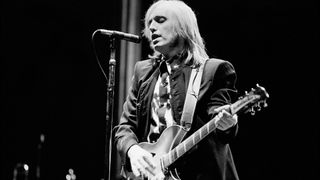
x: 51, y: 83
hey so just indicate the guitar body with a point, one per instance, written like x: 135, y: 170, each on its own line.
x: 169, y: 139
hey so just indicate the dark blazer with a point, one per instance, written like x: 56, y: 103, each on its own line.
x: 211, y: 158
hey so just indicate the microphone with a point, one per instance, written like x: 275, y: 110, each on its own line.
x: 121, y: 35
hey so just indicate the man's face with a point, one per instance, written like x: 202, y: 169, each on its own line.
x: 161, y: 25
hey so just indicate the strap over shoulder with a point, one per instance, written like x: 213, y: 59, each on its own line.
x: 192, y: 96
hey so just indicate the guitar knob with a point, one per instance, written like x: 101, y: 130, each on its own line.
x: 70, y: 175
x: 21, y: 171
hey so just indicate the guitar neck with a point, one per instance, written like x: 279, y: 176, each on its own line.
x: 244, y: 104
x: 188, y: 143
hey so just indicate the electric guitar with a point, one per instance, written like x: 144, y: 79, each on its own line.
x: 170, y: 146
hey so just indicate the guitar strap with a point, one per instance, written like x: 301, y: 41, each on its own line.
x: 191, y: 97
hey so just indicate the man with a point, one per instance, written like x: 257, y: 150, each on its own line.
x: 157, y: 94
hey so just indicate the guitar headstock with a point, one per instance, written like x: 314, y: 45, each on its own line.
x: 252, y: 101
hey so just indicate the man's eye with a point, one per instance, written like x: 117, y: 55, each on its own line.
x: 160, y: 19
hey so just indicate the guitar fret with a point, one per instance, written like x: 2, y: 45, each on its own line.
x: 170, y: 157
x: 181, y: 149
x: 204, y: 132
x: 197, y: 138
x: 165, y: 160
x: 193, y: 141
x: 189, y: 144
x: 177, y: 150
x: 212, y: 125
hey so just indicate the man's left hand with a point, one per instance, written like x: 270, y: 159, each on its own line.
x: 225, y: 120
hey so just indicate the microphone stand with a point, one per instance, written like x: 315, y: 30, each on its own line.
x: 110, y: 108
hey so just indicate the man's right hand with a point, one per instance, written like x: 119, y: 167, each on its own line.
x: 142, y: 163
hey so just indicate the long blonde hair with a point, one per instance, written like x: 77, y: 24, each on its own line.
x: 186, y: 28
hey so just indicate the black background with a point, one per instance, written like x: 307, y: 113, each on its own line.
x: 51, y: 83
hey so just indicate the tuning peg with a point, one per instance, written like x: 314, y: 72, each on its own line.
x: 265, y: 103
x: 258, y: 107
x: 252, y: 111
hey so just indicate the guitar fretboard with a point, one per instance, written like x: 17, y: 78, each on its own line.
x: 188, y: 143
x: 241, y: 105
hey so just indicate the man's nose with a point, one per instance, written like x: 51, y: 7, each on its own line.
x: 152, y: 27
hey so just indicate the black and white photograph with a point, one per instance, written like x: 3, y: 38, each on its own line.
x: 159, y: 90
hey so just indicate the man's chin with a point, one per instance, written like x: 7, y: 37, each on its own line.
x: 158, y: 47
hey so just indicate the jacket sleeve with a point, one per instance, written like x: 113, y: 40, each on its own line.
x: 223, y: 92
x: 125, y: 131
